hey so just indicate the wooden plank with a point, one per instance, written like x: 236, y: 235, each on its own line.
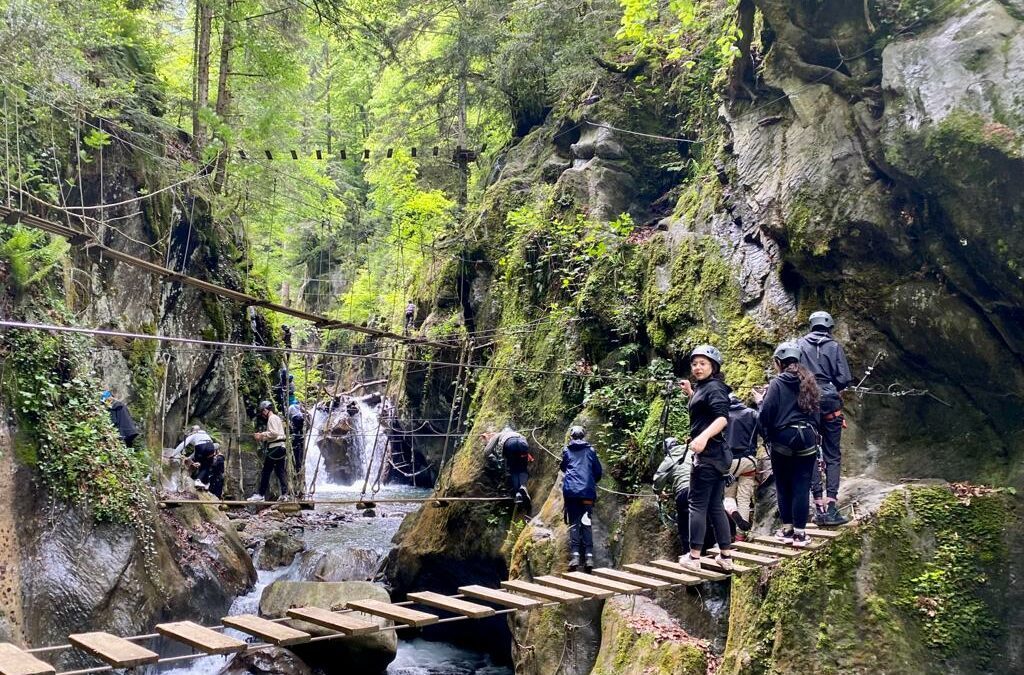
x: 347, y: 624
x: 14, y: 661
x: 453, y: 605
x: 410, y: 617
x: 499, y: 597
x: 617, y: 587
x: 113, y: 650
x: 542, y: 592
x: 271, y: 631
x: 753, y: 558
x: 706, y: 575
x: 630, y: 578
x: 201, y: 638
x: 762, y: 548
x: 737, y: 568
x: 772, y: 541
x: 661, y: 573
x: 575, y: 587
x: 822, y: 533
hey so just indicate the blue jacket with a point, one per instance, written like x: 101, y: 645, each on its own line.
x: 582, y: 470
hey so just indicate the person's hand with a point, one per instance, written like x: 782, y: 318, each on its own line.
x: 757, y: 393
x: 698, y: 444
x: 686, y: 387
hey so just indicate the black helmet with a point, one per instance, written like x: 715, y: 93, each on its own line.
x: 671, y: 442
x: 787, y: 351
x: 577, y: 432
x: 821, y: 319
x: 265, y: 405
x: 709, y: 352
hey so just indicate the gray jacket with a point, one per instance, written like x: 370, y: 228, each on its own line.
x: 676, y: 468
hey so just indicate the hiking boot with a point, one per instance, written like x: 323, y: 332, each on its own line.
x: 741, y: 524
x: 588, y: 564
x: 725, y: 562
x: 689, y: 563
x: 256, y: 498
x: 832, y: 516
x: 784, y: 535
x: 800, y: 539
x: 574, y: 562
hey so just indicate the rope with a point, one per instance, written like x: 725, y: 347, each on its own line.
x: 463, y: 358
x: 599, y: 487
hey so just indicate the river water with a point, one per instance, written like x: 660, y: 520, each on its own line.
x: 372, y: 535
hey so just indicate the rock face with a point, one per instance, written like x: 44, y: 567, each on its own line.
x: 369, y: 654
x: 278, y: 550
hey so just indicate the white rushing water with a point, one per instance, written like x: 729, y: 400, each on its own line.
x: 369, y: 440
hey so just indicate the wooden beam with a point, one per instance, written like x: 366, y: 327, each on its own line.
x: 411, y: 617
x: 822, y: 533
x: 201, y: 638
x: 14, y: 661
x: 630, y: 578
x: 271, y: 631
x: 706, y: 575
x: 542, y: 592
x: 616, y: 587
x: 113, y: 650
x: 753, y: 558
x: 667, y: 575
x: 762, y: 548
x: 346, y: 624
x: 450, y: 604
x: 499, y: 597
x: 772, y: 541
x: 737, y: 568
x: 575, y: 587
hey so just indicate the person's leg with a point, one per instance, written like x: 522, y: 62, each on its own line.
x: 217, y: 476
x: 746, y: 485
x: 701, y: 483
x: 729, y: 496
x: 830, y: 439
x: 783, y: 488
x: 802, y: 469
x: 573, y: 515
x: 683, y: 518
x: 586, y: 520
x: 280, y: 469
x: 716, y: 514
x: 268, y: 467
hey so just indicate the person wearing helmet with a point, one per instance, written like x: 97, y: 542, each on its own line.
x: 825, y: 359
x: 789, y: 422
x: 200, y: 446
x: 514, y: 452
x: 709, y: 416
x: 582, y: 470
x: 676, y: 468
x: 274, y: 452
x: 121, y: 418
x: 741, y: 438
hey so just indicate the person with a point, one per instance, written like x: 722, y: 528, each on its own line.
x: 741, y: 438
x: 789, y: 422
x: 199, y: 445
x: 121, y: 418
x: 297, y: 425
x: 582, y: 470
x: 216, y: 474
x: 274, y: 452
x: 676, y: 467
x: 515, y: 452
x: 825, y: 359
x: 709, y: 416
x: 410, y: 312
x: 281, y: 388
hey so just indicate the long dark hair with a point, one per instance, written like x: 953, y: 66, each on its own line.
x: 809, y: 398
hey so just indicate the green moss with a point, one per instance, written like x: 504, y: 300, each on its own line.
x: 144, y: 372
x: 627, y: 650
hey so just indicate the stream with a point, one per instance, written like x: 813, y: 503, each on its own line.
x: 367, y: 535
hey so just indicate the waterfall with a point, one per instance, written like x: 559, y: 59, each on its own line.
x: 368, y: 443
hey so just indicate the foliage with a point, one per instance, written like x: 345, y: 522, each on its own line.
x: 29, y: 255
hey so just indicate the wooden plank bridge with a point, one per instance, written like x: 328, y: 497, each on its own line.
x: 362, y: 617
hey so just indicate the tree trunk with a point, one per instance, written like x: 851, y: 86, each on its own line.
x: 201, y: 90
x: 227, y: 40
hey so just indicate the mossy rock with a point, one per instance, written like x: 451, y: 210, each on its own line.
x: 640, y: 638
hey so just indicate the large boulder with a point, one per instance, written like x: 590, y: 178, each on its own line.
x: 269, y: 661
x: 368, y: 654
x: 278, y: 550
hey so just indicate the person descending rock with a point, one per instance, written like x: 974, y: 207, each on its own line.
x: 199, y: 445
x: 410, y: 312
x: 676, y: 467
x: 709, y: 417
x: 824, y: 357
x: 582, y: 471
x: 274, y: 452
x: 217, y: 473
x: 789, y: 422
x: 515, y: 453
x: 297, y: 425
x: 741, y: 438
x: 121, y: 418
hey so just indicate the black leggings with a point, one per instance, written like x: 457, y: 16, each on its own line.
x: 707, y: 488
x: 793, y: 487
x: 581, y: 531
x: 277, y: 467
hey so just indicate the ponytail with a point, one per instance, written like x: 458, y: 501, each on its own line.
x: 809, y: 398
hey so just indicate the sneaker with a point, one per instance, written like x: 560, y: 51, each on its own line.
x: 833, y: 517
x: 800, y: 539
x: 256, y: 498
x: 689, y: 562
x: 284, y: 498
x: 725, y: 562
x: 200, y: 485
x: 740, y: 536
x: 588, y: 564
x: 741, y: 524
x: 574, y: 562
x: 785, y: 535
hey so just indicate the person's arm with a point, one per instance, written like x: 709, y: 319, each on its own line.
x: 718, y: 400
x: 181, y: 446
x: 596, y: 465
x: 491, y: 444
x: 844, y: 378
x: 565, y: 460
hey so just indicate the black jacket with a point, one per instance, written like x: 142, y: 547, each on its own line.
x: 710, y: 401
x: 824, y: 357
x: 779, y: 408
x: 122, y: 419
x: 741, y: 434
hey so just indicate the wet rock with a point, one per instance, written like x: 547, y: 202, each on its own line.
x: 363, y: 654
x: 269, y: 661
x: 369, y: 513
x: 339, y: 564
x: 278, y: 550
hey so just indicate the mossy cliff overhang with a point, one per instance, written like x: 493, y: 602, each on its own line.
x: 925, y: 582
